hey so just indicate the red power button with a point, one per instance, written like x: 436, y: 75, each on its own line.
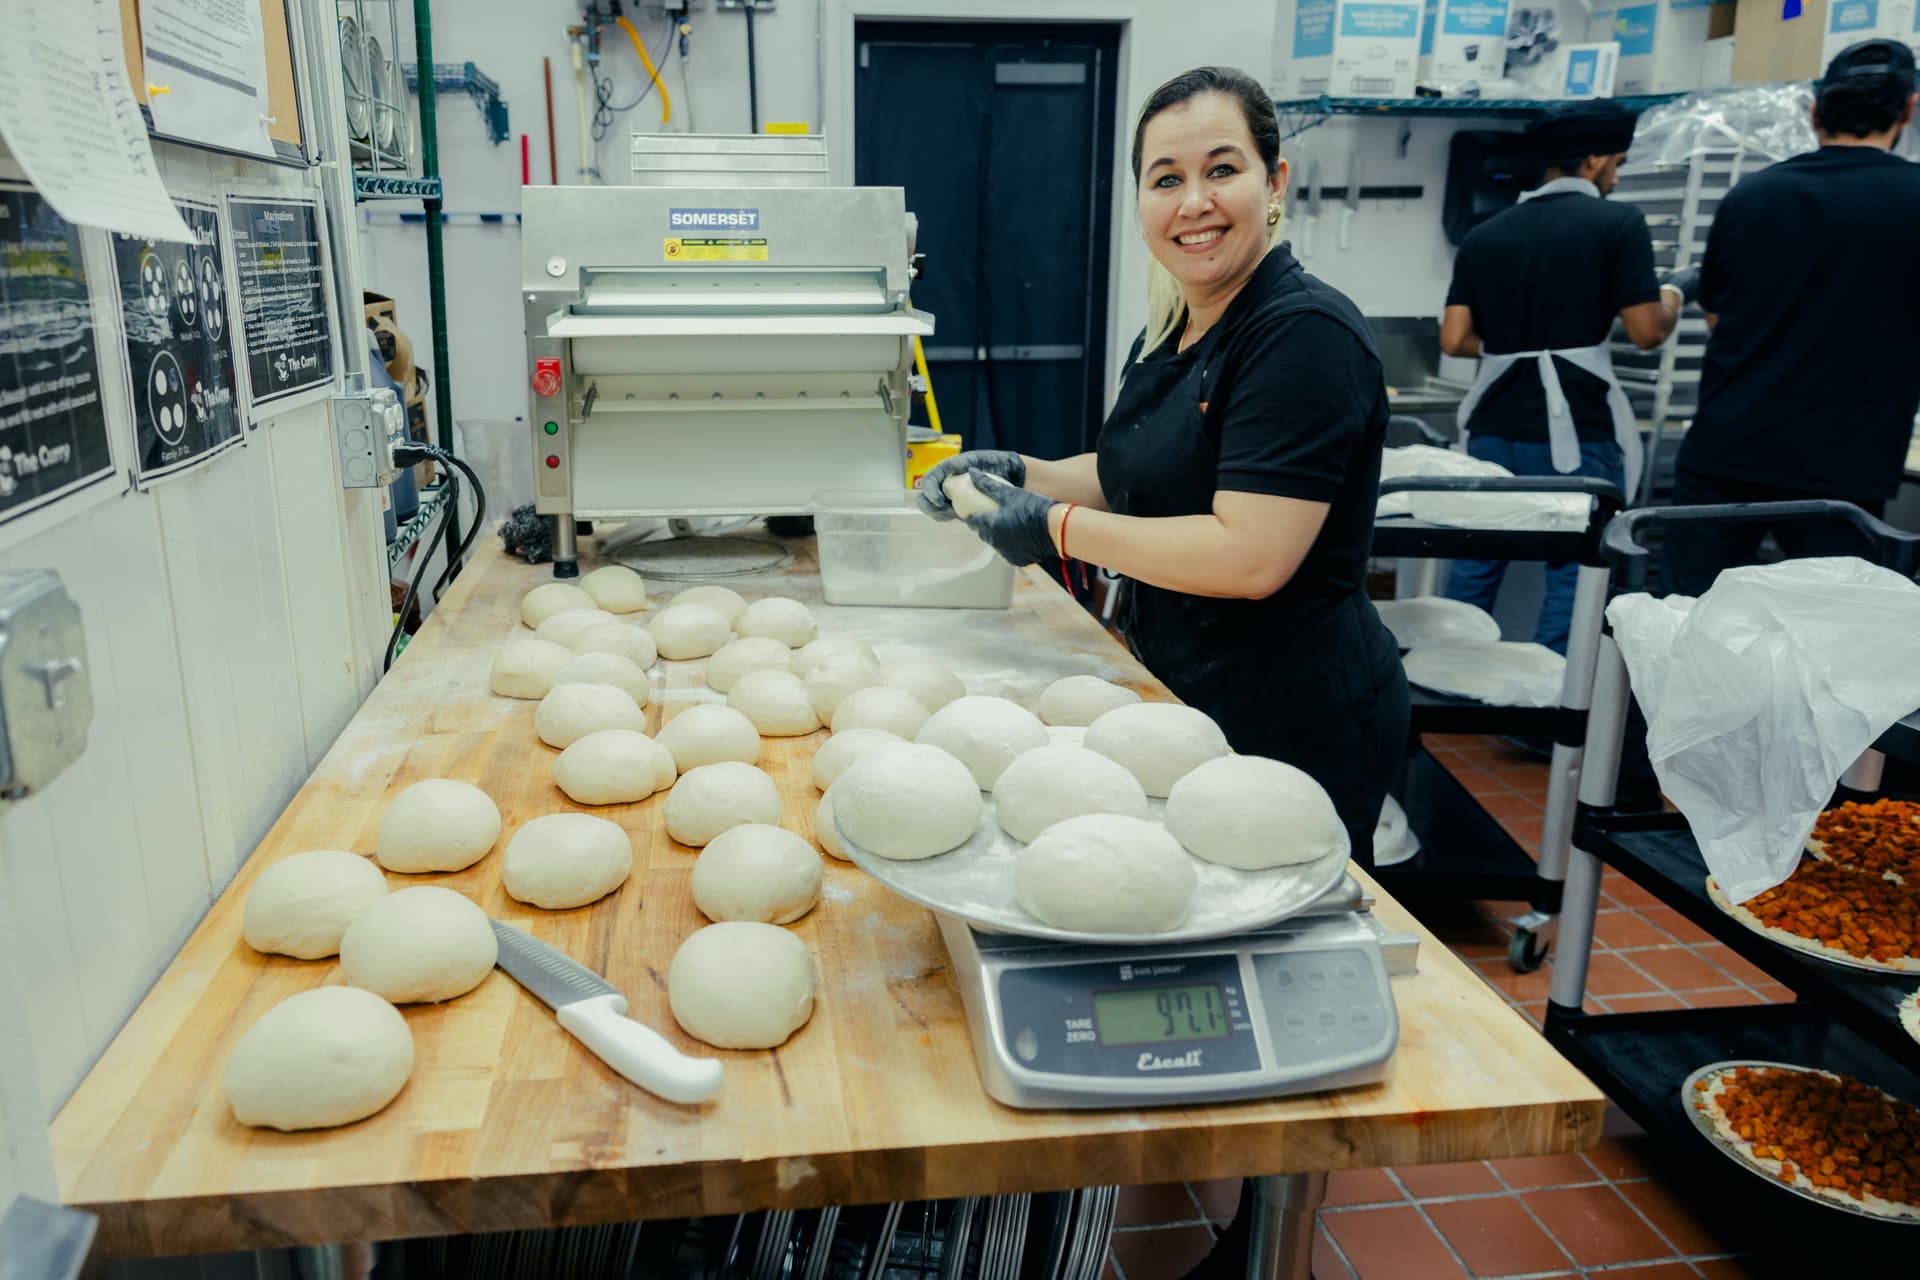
x: 546, y: 376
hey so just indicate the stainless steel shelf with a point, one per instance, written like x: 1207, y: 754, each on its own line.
x: 373, y: 186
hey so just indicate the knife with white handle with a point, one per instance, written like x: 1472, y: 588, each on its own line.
x: 595, y: 1014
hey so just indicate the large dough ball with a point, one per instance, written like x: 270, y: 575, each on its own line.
x: 833, y: 678
x: 777, y: 617
x: 725, y: 601
x: 437, y: 825
x: 708, y: 734
x: 1253, y: 813
x: 565, y: 860
x: 984, y: 734
x: 824, y: 831
x: 685, y: 631
x: 1078, y: 700
x: 613, y: 766
x: 756, y: 872
x: 749, y: 653
x: 894, y: 710
x: 301, y: 905
x: 718, y: 797
x: 564, y: 627
x: 842, y: 749
x: 1102, y: 873
x: 1159, y: 742
x: 550, y: 598
x: 616, y: 589
x: 325, y: 1057
x: 572, y: 711
x: 925, y: 679
x: 635, y: 644
x: 776, y: 702
x: 1053, y: 783
x: 425, y: 944
x: 526, y: 668
x: 907, y: 802
x: 742, y: 985
x: 819, y: 649
x: 607, y: 668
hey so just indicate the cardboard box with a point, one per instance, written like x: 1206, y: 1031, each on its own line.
x: 1849, y: 22
x: 1716, y: 64
x: 1772, y: 48
x: 1587, y: 70
x: 1661, y: 42
x: 1537, y: 30
x: 1462, y: 41
x: 1346, y: 48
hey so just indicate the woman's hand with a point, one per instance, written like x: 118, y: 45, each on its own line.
x: 1017, y: 526
x: 1003, y: 463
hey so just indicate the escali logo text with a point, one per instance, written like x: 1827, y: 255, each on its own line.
x: 1152, y: 1062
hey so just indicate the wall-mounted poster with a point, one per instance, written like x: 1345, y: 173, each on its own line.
x: 53, y: 426
x: 173, y: 305
x: 282, y: 280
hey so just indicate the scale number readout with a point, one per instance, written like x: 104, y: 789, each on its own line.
x: 1156, y: 1015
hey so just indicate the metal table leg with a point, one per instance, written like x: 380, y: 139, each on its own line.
x: 1281, y: 1244
x: 566, y: 549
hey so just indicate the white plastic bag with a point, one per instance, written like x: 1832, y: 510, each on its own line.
x: 1761, y: 693
x: 1538, y: 511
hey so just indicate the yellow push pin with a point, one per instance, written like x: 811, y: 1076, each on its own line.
x: 154, y: 90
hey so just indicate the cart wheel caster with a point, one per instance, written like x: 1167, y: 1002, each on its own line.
x: 1526, y: 952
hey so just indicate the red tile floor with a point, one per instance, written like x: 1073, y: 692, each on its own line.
x: 1605, y: 1213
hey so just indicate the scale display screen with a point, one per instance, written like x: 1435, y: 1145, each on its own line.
x: 1154, y: 1015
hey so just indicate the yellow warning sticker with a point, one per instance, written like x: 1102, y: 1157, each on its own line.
x: 682, y: 249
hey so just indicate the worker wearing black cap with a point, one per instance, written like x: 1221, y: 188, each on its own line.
x: 1534, y: 295
x: 1811, y: 281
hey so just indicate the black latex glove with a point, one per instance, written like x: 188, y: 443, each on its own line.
x: 1687, y: 282
x: 1018, y: 530
x: 1004, y: 463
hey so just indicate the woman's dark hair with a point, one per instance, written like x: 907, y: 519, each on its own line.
x: 1255, y: 105
x: 1855, y: 106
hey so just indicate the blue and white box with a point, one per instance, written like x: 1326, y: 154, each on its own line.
x: 1462, y: 41
x: 1587, y: 70
x: 1346, y: 48
x: 1661, y: 42
x: 1850, y: 22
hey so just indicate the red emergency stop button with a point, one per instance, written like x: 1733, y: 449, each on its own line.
x: 553, y: 460
x: 546, y: 376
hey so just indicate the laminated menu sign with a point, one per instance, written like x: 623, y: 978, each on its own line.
x: 173, y: 305
x: 282, y: 280
x: 53, y: 427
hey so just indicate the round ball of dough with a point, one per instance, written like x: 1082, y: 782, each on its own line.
x: 907, y: 802
x: 718, y: 797
x: 301, y: 905
x: 635, y: 644
x: 776, y: 702
x: 728, y: 603
x: 833, y: 678
x: 425, y: 944
x: 688, y: 631
x: 325, y: 1057
x: 749, y: 653
x: 1053, y: 783
x: 925, y: 679
x: 984, y: 734
x: 825, y: 832
x: 777, y: 617
x: 526, y: 668
x: 572, y: 711
x: 818, y: 650
x: 437, y: 825
x: 756, y: 872
x: 1102, y: 873
x: 1253, y: 813
x: 842, y: 749
x: 742, y: 985
x: 1158, y: 742
x: 563, y: 627
x: 894, y: 710
x: 565, y: 860
x: 607, y: 668
x: 708, y: 734
x: 1082, y: 699
x: 613, y: 766
x: 550, y: 598
x: 616, y: 588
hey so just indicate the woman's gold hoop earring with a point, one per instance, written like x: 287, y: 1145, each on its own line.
x: 1273, y: 215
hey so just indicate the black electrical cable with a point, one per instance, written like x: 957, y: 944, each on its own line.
x: 408, y: 455
x: 753, y: 76
x: 604, y: 109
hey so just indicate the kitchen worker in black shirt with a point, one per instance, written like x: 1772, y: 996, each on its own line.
x: 1811, y: 281
x: 1535, y: 292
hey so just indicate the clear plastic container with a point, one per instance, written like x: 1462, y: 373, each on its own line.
x: 878, y: 548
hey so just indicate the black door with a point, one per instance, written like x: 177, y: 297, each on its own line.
x: 1002, y: 136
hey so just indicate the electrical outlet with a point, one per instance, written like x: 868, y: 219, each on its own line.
x: 46, y: 699
x: 744, y: 4
x: 368, y: 426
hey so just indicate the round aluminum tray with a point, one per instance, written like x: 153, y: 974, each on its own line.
x: 1805, y: 946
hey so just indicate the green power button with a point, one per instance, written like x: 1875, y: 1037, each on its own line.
x: 553, y: 428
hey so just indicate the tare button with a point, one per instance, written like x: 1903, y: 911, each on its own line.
x: 546, y: 376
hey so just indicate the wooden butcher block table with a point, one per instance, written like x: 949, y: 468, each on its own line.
x: 508, y: 1123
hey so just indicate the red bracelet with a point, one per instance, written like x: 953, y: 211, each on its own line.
x: 1064, y: 558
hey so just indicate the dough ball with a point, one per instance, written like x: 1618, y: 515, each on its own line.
x: 607, y: 668
x: 572, y: 711
x: 984, y: 734
x: 756, y: 872
x: 1102, y: 873
x: 825, y: 832
x: 707, y: 734
x: 727, y: 603
x: 1253, y: 813
x: 425, y: 944
x: 742, y: 985
x: 550, y: 598
x: 788, y: 621
x: 894, y: 710
x: 718, y: 797
x: 301, y: 905
x: 616, y: 588
x: 566, y: 860
x: 635, y: 644
x: 817, y: 651
x: 907, y: 802
x: 925, y: 679
x: 1053, y: 783
x: 967, y: 499
x: 842, y: 749
x: 437, y: 825
x: 749, y: 653
x: 1159, y: 742
x: 1077, y: 700
x: 833, y: 678
x: 688, y: 631
x: 325, y: 1057
x: 526, y: 668
x: 613, y: 766
x: 776, y: 702
x: 563, y: 627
